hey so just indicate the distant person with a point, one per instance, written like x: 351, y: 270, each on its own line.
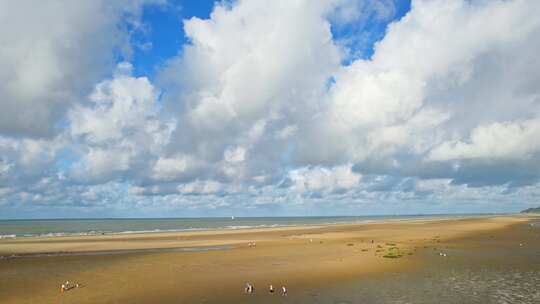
x: 271, y: 289
x: 283, y: 290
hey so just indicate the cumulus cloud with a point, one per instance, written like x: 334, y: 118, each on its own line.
x: 420, y: 61
x: 268, y: 108
x: 120, y: 130
x: 201, y: 187
x: 52, y: 53
x: 320, y: 179
x: 169, y: 168
x: 235, y: 84
x: 504, y: 140
x: 26, y: 160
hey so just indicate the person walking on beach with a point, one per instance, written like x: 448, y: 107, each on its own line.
x: 283, y: 290
x: 271, y: 289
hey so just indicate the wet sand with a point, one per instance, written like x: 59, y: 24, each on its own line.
x: 500, y: 266
x: 322, y: 264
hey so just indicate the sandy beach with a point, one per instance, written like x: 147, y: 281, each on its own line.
x: 213, y: 266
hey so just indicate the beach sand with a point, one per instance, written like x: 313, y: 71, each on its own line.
x: 318, y: 264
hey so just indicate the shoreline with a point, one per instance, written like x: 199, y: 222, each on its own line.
x: 29, y: 245
x: 367, y: 220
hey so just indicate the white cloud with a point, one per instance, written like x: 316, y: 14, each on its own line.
x: 167, y: 169
x: 5, y: 167
x: 201, y: 187
x: 26, y: 158
x: 122, y: 104
x: 266, y: 113
x: 505, y: 140
x: 430, y: 54
x: 429, y: 185
x: 51, y: 54
x: 121, y: 129
x: 233, y: 78
x: 234, y: 155
x: 286, y: 100
x: 322, y: 179
x: 102, y: 163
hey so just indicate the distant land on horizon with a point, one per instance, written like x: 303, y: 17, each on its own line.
x: 531, y: 210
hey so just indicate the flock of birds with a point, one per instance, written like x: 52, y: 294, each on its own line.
x: 250, y: 289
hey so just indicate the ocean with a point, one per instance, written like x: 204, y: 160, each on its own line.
x: 63, y: 227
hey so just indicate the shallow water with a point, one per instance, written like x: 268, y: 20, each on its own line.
x: 119, y: 251
x: 60, y: 227
x: 440, y: 286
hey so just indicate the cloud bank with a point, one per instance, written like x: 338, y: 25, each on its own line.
x: 267, y: 111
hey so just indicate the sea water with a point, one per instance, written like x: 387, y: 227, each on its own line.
x: 62, y: 227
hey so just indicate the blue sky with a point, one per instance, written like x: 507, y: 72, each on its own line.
x: 254, y: 108
x: 164, y: 32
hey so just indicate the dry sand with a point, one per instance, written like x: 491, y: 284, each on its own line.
x: 154, y: 269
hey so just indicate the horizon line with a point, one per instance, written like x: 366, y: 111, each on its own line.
x: 254, y: 217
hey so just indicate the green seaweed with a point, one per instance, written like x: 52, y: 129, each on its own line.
x: 393, y: 253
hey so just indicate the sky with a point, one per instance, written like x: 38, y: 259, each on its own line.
x: 162, y: 108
